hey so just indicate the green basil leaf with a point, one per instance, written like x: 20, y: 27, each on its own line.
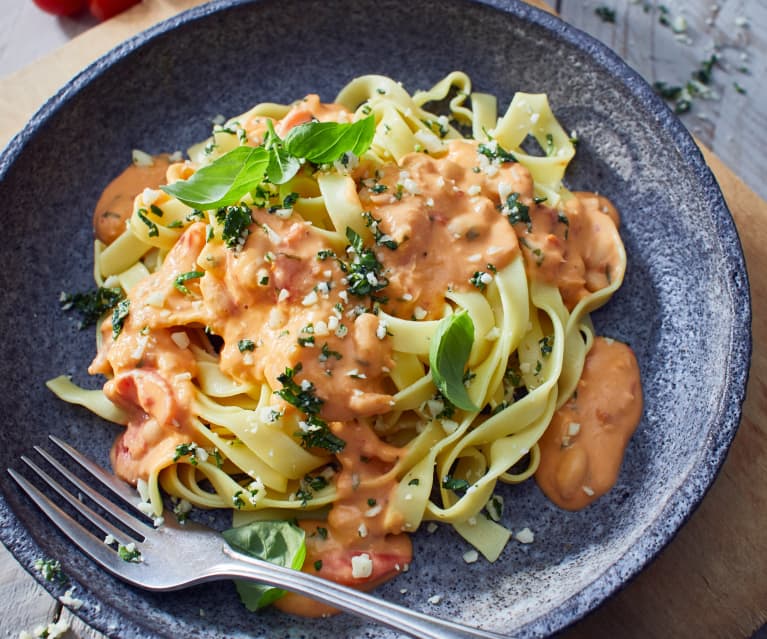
x: 224, y: 181
x: 279, y: 542
x: 448, y: 353
x: 282, y: 166
x: 324, y: 142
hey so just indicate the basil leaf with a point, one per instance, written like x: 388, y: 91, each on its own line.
x: 279, y: 542
x: 282, y: 166
x: 224, y: 181
x: 448, y: 354
x: 324, y: 142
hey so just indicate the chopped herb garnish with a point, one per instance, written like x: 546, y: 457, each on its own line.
x: 92, y: 305
x: 378, y: 188
x: 306, y: 341
x: 316, y: 433
x: 453, y: 483
x: 326, y: 353
x: 546, y: 344
x: 495, y: 151
x: 246, y: 345
x: 605, y: 13
x: 178, y: 283
x: 156, y: 210
x: 182, y: 450
x: 153, y: 230
x: 237, y: 500
x: 516, y: 211
x: 739, y: 88
x: 414, y: 482
x: 318, y: 565
x: 50, y: 570
x: 325, y: 254
x: 371, y: 502
x: 322, y: 532
x: 365, y: 273
x: 380, y: 237
x: 236, y: 220
x: 550, y: 145
x: 119, y: 315
x: 129, y: 553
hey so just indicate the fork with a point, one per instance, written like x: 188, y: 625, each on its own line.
x: 176, y: 556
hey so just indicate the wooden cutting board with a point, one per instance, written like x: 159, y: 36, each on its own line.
x: 711, y: 581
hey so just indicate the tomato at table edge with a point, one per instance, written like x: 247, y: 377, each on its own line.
x: 62, y: 7
x: 105, y: 9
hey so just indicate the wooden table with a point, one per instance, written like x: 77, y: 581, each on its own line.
x: 711, y: 581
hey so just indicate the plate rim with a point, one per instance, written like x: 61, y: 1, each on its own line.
x: 736, y: 370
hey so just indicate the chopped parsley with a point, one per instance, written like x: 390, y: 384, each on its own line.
x: 92, y: 305
x: 179, y: 285
x: 605, y: 13
x: 119, y: 315
x: 381, y: 238
x: 546, y: 345
x: 378, y: 188
x: 129, y: 553
x: 246, y: 345
x: 318, y: 565
x: 414, y: 482
x: 495, y: 151
x: 322, y: 532
x: 153, y: 230
x: 364, y: 273
x: 326, y: 353
x: 453, y: 483
x: 190, y: 449
x: 315, y: 432
x: 50, y: 570
x: 236, y: 220
x: 516, y: 211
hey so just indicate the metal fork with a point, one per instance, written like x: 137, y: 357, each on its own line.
x: 175, y: 556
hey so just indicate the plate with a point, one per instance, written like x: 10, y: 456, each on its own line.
x: 684, y: 306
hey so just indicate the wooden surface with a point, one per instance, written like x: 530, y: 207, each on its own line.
x: 711, y: 580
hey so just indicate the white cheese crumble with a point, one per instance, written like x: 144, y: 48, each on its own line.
x: 362, y: 530
x: 525, y: 536
x: 375, y: 510
x: 419, y: 313
x: 434, y: 599
x: 475, y: 189
x: 283, y: 295
x: 588, y: 490
x: 573, y: 429
x: 68, y: 600
x: 362, y: 566
x: 309, y: 299
x: 180, y: 339
x: 381, y: 330
x: 470, y: 556
x: 141, y: 158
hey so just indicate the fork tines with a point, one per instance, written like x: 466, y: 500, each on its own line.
x: 104, y: 553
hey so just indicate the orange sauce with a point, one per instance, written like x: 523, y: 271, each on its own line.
x: 582, y: 449
x: 116, y: 202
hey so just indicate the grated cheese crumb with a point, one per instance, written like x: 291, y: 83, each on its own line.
x: 434, y: 599
x: 470, y: 556
x: 362, y: 566
x: 525, y: 536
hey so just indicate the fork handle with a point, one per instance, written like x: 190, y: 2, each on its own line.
x: 350, y: 600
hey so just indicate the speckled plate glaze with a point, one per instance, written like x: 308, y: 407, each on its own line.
x: 684, y: 306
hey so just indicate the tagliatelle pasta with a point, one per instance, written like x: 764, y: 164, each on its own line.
x: 372, y: 339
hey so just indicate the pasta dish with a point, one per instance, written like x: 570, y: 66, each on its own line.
x: 363, y: 315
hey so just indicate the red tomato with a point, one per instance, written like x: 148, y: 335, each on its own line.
x: 62, y: 7
x: 105, y: 9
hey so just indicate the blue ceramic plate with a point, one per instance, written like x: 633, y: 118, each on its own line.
x: 684, y: 306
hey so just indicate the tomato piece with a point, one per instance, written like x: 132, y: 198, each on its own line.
x: 62, y: 7
x: 105, y: 9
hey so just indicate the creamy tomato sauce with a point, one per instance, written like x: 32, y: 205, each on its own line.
x: 582, y: 449
x: 116, y: 202
x: 283, y: 292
